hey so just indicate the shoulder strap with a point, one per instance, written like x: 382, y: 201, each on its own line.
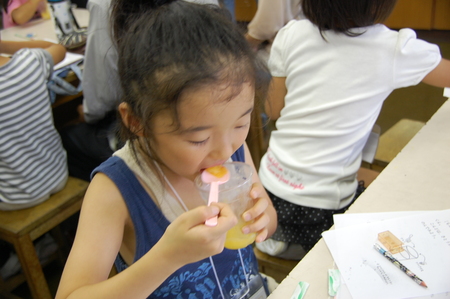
x: 239, y: 154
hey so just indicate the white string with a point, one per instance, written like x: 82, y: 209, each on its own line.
x: 172, y: 188
x: 217, y: 277
x: 186, y: 209
x: 245, y: 274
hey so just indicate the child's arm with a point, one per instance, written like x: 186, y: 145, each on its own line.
x: 57, y: 51
x: 275, y: 98
x: 268, y: 19
x: 25, y: 12
x: 440, y: 76
x: 103, y: 223
x: 254, y: 42
x: 263, y: 211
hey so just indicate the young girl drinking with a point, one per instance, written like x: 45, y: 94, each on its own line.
x: 189, y: 80
x: 331, y: 75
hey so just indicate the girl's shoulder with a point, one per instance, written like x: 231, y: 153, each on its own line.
x: 297, y: 23
x: 103, y: 194
x: 401, y: 40
x: 297, y: 29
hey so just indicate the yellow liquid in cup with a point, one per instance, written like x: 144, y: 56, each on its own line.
x: 235, y: 239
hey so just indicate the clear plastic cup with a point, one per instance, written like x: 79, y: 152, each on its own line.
x: 236, y: 193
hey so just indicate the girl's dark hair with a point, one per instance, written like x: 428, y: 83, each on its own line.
x: 343, y: 15
x: 165, y: 50
x: 126, y: 12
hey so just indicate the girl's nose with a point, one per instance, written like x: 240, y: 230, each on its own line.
x: 222, y: 149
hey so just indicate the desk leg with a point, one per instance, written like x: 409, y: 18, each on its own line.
x: 32, y: 268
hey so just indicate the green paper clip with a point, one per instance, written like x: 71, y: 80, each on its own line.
x: 334, y: 281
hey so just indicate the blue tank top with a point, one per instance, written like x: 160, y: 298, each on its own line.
x: 196, y: 280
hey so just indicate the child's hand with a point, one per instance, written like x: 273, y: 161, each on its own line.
x: 260, y: 212
x: 188, y: 239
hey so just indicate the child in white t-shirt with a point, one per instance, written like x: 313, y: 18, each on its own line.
x: 331, y: 75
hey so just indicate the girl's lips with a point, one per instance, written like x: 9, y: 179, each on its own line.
x: 212, y: 165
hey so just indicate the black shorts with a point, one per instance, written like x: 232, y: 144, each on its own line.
x: 304, y: 225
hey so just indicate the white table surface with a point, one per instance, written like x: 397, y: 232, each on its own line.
x: 41, y: 29
x: 418, y: 179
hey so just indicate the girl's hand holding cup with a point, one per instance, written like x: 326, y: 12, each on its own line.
x: 257, y: 217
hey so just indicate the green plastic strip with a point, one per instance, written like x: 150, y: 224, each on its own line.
x: 334, y: 281
x: 300, y: 290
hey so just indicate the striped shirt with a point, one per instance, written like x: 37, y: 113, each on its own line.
x: 32, y: 159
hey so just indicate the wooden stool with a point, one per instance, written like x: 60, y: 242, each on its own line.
x: 394, y: 140
x: 22, y: 227
x: 272, y: 266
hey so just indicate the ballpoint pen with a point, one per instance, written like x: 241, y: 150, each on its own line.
x: 399, y: 265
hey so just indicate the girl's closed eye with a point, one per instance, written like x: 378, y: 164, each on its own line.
x: 198, y: 142
x: 244, y: 126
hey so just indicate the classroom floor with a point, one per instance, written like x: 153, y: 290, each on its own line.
x: 419, y: 102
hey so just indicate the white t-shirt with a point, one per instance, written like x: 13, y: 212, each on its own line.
x: 101, y: 87
x: 335, y: 90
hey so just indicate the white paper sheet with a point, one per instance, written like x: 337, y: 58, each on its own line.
x: 345, y: 220
x: 447, y: 92
x: 368, y: 274
x: 69, y: 59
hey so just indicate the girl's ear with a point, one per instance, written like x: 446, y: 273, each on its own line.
x: 130, y: 121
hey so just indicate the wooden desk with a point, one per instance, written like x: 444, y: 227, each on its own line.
x: 417, y: 179
x: 394, y: 140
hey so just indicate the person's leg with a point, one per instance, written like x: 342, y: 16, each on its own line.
x: 293, y: 252
x: 87, y: 146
